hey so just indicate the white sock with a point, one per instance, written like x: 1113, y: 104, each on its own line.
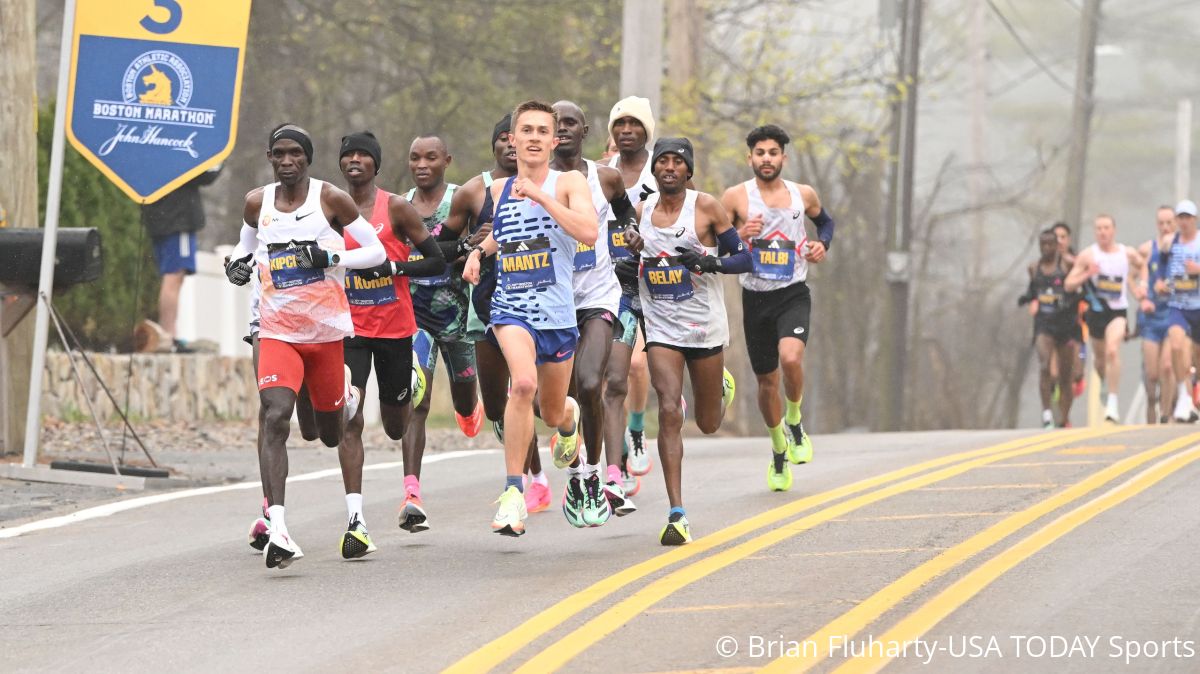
x: 540, y: 478
x: 1185, y: 396
x: 577, y: 469
x: 1112, y: 402
x: 591, y: 469
x: 1047, y: 417
x: 354, y: 507
x: 275, y: 514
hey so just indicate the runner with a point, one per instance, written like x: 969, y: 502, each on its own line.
x: 1062, y: 233
x: 769, y: 214
x: 540, y: 215
x: 1053, y: 311
x: 1183, y: 283
x: 440, y: 304
x: 589, y: 498
x: 631, y: 126
x: 681, y: 232
x: 1111, y: 267
x: 381, y: 307
x: 1153, y: 318
x: 293, y: 232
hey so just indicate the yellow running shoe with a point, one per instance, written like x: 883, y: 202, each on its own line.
x: 418, y: 385
x: 566, y: 447
x: 779, y: 481
x: 800, y: 449
x: 356, y: 542
x: 510, y: 516
x: 728, y: 388
x: 677, y: 531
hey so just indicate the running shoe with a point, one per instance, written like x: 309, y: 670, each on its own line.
x: 412, y: 515
x: 800, y: 449
x: 596, y: 509
x: 566, y: 447
x: 498, y: 429
x: 639, y: 462
x: 683, y: 407
x: 356, y: 542
x: 510, y: 516
x: 618, y: 500
x: 677, y: 531
x: 260, y: 533
x: 419, y: 384
x: 352, y: 396
x: 537, y: 497
x: 631, y: 483
x: 471, y: 425
x: 281, y: 551
x: 573, y: 501
x: 1047, y: 419
x: 779, y: 481
x: 728, y: 389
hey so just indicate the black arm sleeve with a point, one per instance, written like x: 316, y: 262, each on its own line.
x: 1030, y: 294
x: 433, y: 264
x: 623, y: 210
x: 824, y: 225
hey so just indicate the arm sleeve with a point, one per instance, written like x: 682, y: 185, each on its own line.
x: 623, y: 210
x: 433, y: 264
x: 371, y: 254
x: 1030, y: 294
x: 824, y: 225
x: 737, y: 260
x: 247, y: 242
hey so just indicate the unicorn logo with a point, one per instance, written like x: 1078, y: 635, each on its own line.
x: 159, y: 92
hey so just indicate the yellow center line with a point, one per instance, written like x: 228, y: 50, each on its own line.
x: 1102, y: 449
x: 564, y: 649
x: 861, y: 616
x: 918, y: 516
x: 843, y: 553
x: 973, y: 487
x: 501, y: 648
x: 1038, y: 464
x: 929, y: 614
x: 716, y: 607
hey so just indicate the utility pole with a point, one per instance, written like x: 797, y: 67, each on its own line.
x: 1081, y: 116
x: 898, y: 217
x: 18, y: 198
x: 1183, y: 149
x: 642, y: 50
x: 978, y: 146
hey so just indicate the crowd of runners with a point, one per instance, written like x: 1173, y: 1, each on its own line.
x: 552, y: 286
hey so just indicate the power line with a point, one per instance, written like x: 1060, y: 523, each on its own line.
x: 1026, y: 48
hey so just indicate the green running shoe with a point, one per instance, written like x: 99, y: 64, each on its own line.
x: 779, y: 481
x: 418, y: 385
x: 573, y: 502
x: 510, y: 516
x: 800, y: 450
x: 677, y: 531
x: 728, y: 388
x: 566, y: 447
x: 356, y: 542
x: 596, y: 509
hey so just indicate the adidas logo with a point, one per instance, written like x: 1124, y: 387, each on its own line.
x: 664, y: 263
x: 775, y: 245
x: 522, y: 248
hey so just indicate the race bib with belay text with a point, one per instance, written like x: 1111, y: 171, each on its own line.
x: 286, y: 271
x: 525, y: 265
x: 774, y: 259
x: 365, y: 292
x: 667, y: 279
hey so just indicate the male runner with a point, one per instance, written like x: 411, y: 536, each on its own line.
x: 1054, y: 320
x: 440, y: 304
x: 1062, y: 233
x: 1111, y: 267
x: 293, y: 230
x: 631, y: 126
x: 1153, y: 318
x: 590, y: 499
x: 540, y: 216
x: 1183, y: 283
x: 681, y: 233
x: 381, y: 306
x: 769, y: 214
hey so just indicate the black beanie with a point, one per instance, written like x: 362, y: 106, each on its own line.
x: 363, y: 141
x: 503, y: 126
x: 679, y: 146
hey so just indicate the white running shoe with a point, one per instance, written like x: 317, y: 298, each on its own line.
x: 352, y: 397
x: 281, y: 551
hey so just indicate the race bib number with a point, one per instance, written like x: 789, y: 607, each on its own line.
x: 585, y: 257
x: 286, y: 271
x: 525, y: 265
x: 1185, y: 286
x: 774, y: 259
x: 1109, y: 287
x: 667, y: 279
x: 364, y: 292
x: 616, y: 241
x: 442, y: 279
x: 1049, y: 299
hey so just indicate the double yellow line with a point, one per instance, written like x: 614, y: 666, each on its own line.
x: 562, y: 651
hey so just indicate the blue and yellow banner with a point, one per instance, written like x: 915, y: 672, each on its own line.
x: 154, y: 88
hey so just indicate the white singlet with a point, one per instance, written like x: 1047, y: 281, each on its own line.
x: 778, y: 252
x: 595, y: 281
x: 1114, y: 270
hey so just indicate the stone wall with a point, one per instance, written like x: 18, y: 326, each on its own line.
x: 172, y: 387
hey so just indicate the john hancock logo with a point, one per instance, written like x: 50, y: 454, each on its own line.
x: 153, y: 109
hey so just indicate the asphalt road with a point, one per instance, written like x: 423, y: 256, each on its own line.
x: 977, y: 551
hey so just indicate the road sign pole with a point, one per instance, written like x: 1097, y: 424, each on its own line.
x: 41, y: 326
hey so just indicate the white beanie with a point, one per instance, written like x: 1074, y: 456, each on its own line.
x: 637, y: 108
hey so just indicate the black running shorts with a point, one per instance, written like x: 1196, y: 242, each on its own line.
x: 1097, y: 321
x: 393, y: 366
x: 769, y: 317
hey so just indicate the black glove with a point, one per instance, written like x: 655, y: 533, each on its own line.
x: 312, y: 256
x: 627, y: 270
x: 646, y: 191
x: 382, y: 271
x: 693, y: 260
x: 238, y: 271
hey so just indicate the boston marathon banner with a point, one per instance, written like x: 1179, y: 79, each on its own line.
x: 154, y: 88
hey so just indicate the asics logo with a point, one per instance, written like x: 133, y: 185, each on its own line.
x: 796, y: 214
x: 799, y: 331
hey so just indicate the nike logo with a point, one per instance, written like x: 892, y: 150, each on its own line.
x: 301, y: 217
x: 563, y: 354
x: 799, y: 331
x: 338, y: 401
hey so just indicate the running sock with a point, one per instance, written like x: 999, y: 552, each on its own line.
x: 778, y: 438
x: 792, y: 416
x: 412, y: 486
x: 540, y: 478
x: 637, y: 421
x: 515, y: 481
x: 590, y: 469
x: 575, y: 470
x: 354, y: 507
x: 275, y: 514
x: 677, y: 510
x: 614, y: 473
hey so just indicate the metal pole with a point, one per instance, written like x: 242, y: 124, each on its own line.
x: 33, y: 419
x: 1183, y: 149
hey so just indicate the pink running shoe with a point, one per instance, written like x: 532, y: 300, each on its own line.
x: 537, y: 497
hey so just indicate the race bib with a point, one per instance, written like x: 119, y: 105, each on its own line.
x: 1109, y: 287
x: 286, y: 271
x: 774, y: 259
x: 616, y: 241
x: 667, y: 279
x: 1048, y: 300
x: 525, y: 265
x: 1185, y: 286
x: 585, y: 257
x: 364, y: 292
x: 442, y: 279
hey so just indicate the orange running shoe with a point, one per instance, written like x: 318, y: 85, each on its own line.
x: 473, y: 424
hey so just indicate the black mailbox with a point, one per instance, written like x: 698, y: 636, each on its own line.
x: 79, y: 258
